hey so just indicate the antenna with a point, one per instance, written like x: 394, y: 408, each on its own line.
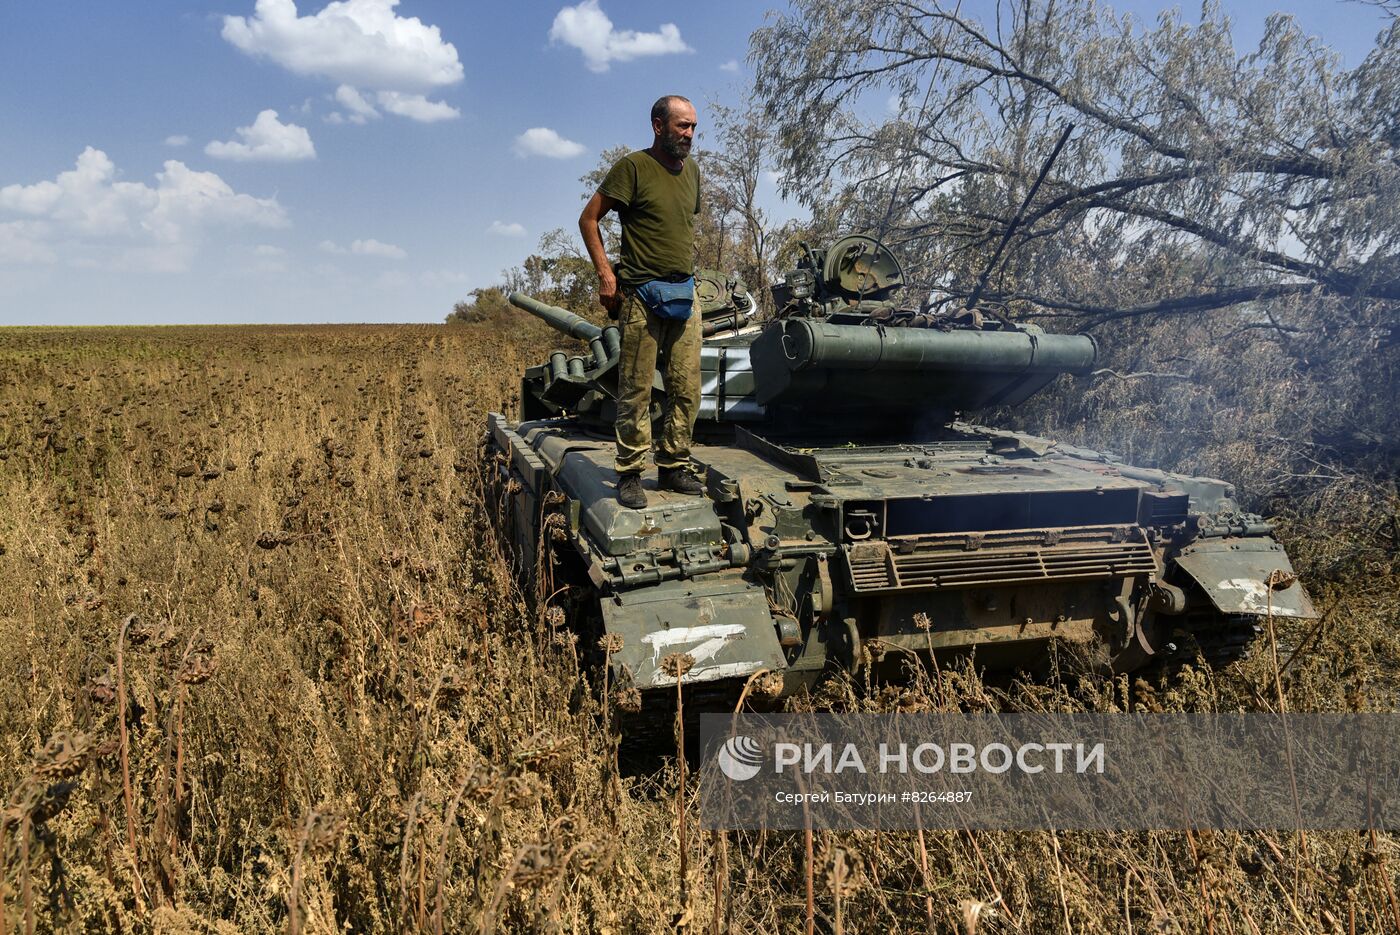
x: 1016, y: 218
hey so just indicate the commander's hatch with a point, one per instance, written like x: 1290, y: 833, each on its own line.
x: 858, y: 268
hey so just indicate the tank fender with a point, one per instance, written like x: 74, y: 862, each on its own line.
x: 1234, y: 573
x: 724, y: 625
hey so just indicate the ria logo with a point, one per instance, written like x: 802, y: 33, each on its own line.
x: 740, y: 758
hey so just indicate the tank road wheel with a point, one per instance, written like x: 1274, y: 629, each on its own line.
x: 495, y: 473
x: 511, y: 511
x: 1204, y: 631
x: 1220, y: 639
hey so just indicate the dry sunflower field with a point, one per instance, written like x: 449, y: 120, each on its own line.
x: 264, y: 670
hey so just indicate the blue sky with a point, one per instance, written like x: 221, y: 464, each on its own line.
x: 417, y: 147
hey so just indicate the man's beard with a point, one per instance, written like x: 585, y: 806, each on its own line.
x: 675, y: 145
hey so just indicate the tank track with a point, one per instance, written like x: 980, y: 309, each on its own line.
x: 1220, y: 639
x: 650, y: 733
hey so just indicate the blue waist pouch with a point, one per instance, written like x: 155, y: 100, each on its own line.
x: 672, y: 300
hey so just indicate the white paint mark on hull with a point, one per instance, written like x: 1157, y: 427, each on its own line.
x: 710, y: 639
x: 725, y: 670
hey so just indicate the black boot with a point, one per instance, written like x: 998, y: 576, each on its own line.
x: 680, y: 480
x: 629, y: 491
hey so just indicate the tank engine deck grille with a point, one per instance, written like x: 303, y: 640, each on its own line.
x: 965, y: 560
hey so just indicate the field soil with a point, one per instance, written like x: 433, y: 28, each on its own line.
x: 263, y: 669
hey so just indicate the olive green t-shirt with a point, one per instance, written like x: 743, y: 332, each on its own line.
x: 658, y: 209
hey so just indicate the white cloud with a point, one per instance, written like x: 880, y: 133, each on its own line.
x: 542, y: 141
x: 369, y: 247
x: 22, y: 243
x: 179, y: 139
x: 89, y: 218
x: 41, y: 197
x: 730, y: 66
x: 376, y: 248
x: 588, y: 29
x: 190, y: 199
x: 264, y: 249
x: 503, y: 229
x: 353, y: 101
x: 416, y: 107
x: 362, y: 43
x: 267, y: 140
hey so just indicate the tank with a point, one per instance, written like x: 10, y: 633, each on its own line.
x: 853, y: 515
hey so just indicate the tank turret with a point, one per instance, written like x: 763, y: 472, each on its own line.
x: 843, y: 341
x: 841, y: 354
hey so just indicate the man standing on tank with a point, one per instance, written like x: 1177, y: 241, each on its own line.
x: 656, y: 193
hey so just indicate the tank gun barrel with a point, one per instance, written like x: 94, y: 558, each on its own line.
x: 559, y: 319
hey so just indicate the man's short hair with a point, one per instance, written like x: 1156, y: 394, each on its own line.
x: 661, y: 110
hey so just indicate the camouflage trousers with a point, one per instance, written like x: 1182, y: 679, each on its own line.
x: 650, y: 342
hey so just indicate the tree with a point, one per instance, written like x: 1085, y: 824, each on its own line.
x: 731, y: 174
x: 559, y: 273
x: 1231, y: 218
x: 486, y: 305
x: 1269, y: 174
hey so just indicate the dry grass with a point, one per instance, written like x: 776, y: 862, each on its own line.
x: 264, y: 670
